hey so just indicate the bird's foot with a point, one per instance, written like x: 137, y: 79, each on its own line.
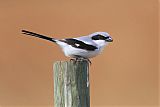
x: 72, y: 59
x: 81, y: 59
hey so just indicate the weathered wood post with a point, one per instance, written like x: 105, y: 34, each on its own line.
x: 71, y: 84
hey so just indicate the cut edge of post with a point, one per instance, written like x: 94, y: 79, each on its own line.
x: 73, y: 62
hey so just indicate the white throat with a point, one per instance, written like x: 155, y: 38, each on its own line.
x: 101, y: 43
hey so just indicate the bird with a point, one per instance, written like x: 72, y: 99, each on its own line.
x: 79, y: 48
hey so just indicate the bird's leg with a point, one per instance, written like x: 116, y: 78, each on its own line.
x: 78, y: 58
x: 75, y: 59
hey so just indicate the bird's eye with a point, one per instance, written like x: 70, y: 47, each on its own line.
x: 107, y: 37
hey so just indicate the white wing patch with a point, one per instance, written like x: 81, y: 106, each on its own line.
x: 77, y: 44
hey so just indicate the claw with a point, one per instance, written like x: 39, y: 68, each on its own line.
x: 81, y: 59
x: 72, y: 59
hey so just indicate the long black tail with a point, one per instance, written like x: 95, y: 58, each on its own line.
x: 38, y: 35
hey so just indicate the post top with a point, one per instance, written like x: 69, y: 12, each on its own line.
x: 72, y: 62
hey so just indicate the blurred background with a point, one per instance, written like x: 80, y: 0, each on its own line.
x: 125, y: 74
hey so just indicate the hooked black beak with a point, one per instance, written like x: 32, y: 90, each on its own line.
x: 109, y: 39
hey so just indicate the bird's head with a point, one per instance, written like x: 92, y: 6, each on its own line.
x: 101, y: 38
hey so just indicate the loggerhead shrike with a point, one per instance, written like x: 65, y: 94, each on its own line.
x: 83, y: 47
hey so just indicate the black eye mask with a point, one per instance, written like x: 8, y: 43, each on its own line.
x: 99, y: 37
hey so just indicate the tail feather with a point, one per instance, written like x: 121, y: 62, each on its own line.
x: 38, y: 35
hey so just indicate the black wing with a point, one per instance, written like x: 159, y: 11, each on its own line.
x: 80, y: 44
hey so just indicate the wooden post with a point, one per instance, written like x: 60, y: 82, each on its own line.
x: 71, y: 84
